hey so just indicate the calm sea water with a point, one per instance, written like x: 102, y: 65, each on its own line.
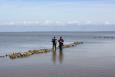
x: 94, y: 58
x: 15, y: 42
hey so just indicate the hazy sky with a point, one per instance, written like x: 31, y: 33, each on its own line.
x: 57, y: 12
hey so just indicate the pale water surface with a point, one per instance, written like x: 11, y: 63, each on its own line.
x: 94, y: 58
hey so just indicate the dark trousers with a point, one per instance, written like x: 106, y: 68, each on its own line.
x: 60, y: 47
x: 54, y: 47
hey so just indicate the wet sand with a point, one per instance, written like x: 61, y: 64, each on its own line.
x: 85, y: 60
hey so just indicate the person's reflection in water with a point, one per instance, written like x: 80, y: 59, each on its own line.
x: 54, y: 55
x: 61, y: 56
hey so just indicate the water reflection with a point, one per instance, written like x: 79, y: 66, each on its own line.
x: 61, y: 56
x: 56, y: 55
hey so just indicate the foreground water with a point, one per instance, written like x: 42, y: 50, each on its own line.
x: 94, y: 58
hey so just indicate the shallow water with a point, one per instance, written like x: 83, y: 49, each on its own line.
x: 94, y: 58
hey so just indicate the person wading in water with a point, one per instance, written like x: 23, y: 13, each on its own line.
x: 61, y: 41
x: 54, y: 42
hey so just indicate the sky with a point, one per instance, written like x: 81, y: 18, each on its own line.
x: 23, y: 15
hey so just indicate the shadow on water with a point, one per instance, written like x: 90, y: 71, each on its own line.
x: 56, y: 55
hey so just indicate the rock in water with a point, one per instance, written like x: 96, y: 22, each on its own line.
x: 31, y: 52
